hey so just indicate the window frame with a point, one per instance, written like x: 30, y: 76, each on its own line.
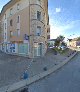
x: 18, y: 19
x: 38, y: 31
x: 18, y: 6
x: 11, y: 11
x: 38, y: 15
x: 11, y: 22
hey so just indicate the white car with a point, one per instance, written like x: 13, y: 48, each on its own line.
x: 62, y: 47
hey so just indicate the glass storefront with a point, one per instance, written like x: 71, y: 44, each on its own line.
x: 23, y: 48
x: 37, y: 49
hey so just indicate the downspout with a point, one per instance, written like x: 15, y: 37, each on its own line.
x: 29, y: 28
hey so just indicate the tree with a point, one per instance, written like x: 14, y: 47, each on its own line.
x: 78, y: 39
x: 63, y: 44
x: 59, y: 40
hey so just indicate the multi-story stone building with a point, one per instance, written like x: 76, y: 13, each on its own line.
x: 24, y: 25
x: 0, y: 28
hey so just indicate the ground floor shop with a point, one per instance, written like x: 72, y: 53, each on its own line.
x: 39, y: 49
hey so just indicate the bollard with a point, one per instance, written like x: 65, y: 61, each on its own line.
x: 25, y: 75
x: 24, y: 90
x: 45, y: 68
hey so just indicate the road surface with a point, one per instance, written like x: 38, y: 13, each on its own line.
x: 66, y: 79
x: 12, y: 67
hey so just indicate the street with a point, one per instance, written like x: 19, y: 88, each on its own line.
x: 66, y: 79
x: 12, y: 67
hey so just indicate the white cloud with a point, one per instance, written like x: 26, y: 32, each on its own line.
x: 57, y: 30
x: 58, y: 10
x: 54, y: 11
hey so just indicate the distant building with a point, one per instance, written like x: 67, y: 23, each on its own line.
x: 48, y: 30
x: 74, y: 42
x: 0, y: 29
x: 68, y: 42
x: 25, y: 27
x: 51, y: 42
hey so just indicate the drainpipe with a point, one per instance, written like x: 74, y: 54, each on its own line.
x: 29, y: 28
x: 31, y: 36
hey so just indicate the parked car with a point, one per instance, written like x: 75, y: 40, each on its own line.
x: 62, y: 47
x: 51, y: 46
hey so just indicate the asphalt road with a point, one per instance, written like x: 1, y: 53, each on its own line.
x: 12, y: 67
x: 66, y: 79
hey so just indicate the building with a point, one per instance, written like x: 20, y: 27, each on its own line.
x: 51, y: 42
x: 25, y: 26
x: 0, y: 28
x: 74, y: 42
x: 48, y: 30
x: 68, y: 42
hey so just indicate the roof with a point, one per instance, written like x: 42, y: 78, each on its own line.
x: 76, y: 39
x: 52, y: 39
x: 70, y: 39
x: 8, y: 5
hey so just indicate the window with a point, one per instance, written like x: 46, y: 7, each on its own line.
x: 11, y: 11
x: 38, y: 1
x: 18, y: 32
x: 48, y: 31
x: 5, y: 25
x: 5, y: 16
x: 38, y: 32
x: 37, y: 49
x: 11, y: 22
x: 18, y: 19
x: 48, y: 37
x: 11, y: 33
x: 5, y: 36
x: 38, y: 15
x: 18, y: 6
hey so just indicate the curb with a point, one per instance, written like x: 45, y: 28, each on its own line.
x: 24, y: 83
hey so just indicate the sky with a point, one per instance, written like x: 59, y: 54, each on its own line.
x: 64, y: 17
x: 2, y: 3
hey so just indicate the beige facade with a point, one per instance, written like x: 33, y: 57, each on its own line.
x: 74, y: 42
x: 25, y: 26
x: 0, y: 28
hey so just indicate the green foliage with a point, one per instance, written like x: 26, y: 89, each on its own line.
x: 48, y: 44
x: 78, y: 39
x: 59, y: 40
x: 63, y: 44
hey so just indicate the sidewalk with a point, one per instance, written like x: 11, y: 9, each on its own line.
x: 15, y: 66
x: 49, y: 60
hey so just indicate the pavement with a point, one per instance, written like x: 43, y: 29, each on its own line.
x: 12, y: 67
x: 66, y: 79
